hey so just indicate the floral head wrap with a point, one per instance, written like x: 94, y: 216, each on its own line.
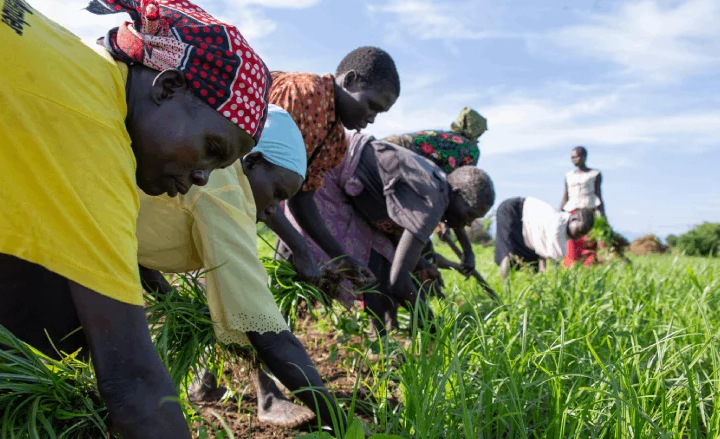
x: 219, y: 66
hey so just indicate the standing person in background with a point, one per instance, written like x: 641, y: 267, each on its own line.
x: 450, y: 150
x: 365, y: 84
x: 582, y: 191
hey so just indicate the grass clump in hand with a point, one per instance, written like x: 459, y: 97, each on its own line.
x: 291, y: 294
x: 182, y: 328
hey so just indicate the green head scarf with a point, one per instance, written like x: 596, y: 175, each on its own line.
x: 469, y: 124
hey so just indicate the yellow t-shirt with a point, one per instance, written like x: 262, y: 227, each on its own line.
x: 213, y: 227
x: 68, y: 199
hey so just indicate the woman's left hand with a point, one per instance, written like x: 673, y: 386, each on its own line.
x: 358, y: 274
x: 443, y: 232
x: 468, y: 264
x: 432, y: 280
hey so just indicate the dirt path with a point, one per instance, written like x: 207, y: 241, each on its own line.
x: 241, y: 417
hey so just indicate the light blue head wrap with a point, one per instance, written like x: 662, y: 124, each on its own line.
x: 281, y: 142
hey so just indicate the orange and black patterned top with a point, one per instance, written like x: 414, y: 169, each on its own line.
x: 310, y: 100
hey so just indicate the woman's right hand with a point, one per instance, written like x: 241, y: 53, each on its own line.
x: 432, y: 281
x: 358, y: 274
x: 307, y: 267
x: 443, y: 232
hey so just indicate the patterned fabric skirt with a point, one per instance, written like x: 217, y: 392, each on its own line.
x: 342, y: 219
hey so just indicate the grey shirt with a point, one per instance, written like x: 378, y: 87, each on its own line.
x: 401, y: 190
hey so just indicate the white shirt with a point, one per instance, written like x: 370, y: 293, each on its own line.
x: 581, y: 190
x: 544, y: 229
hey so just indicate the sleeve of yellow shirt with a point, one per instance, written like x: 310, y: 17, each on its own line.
x: 237, y: 290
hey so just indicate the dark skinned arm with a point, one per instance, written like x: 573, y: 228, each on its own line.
x: 565, y: 198
x: 468, y: 257
x: 287, y: 359
x: 469, y: 263
x: 133, y: 382
x: 305, y: 211
x: 153, y: 281
x: 425, y: 264
x: 598, y: 193
x: 401, y: 285
x: 443, y: 262
x: 407, y: 255
x: 443, y: 232
x: 474, y: 273
x: 430, y: 276
x: 303, y: 259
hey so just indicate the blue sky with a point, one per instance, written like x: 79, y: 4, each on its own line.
x: 636, y: 82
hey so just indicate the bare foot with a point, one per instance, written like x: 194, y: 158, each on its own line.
x: 206, y: 389
x: 206, y: 394
x: 283, y: 413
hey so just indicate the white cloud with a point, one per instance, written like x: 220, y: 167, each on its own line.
x: 286, y: 4
x: 652, y: 39
x: 658, y: 40
x: 249, y: 15
x: 523, y: 123
x: 71, y: 15
x: 421, y: 81
x: 432, y: 19
x: 252, y: 21
x: 540, y: 131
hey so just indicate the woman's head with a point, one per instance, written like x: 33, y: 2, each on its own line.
x: 177, y: 139
x: 469, y: 124
x: 579, y: 156
x: 270, y: 184
x: 276, y: 166
x: 196, y: 92
x: 366, y: 83
x: 580, y: 223
x: 472, y: 195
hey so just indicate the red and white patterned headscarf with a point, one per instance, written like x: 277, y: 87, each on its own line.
x: 220, y: 67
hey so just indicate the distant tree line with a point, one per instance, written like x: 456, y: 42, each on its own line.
x: 701, y: 240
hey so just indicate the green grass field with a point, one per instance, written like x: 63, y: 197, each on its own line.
x: 616, y: 351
